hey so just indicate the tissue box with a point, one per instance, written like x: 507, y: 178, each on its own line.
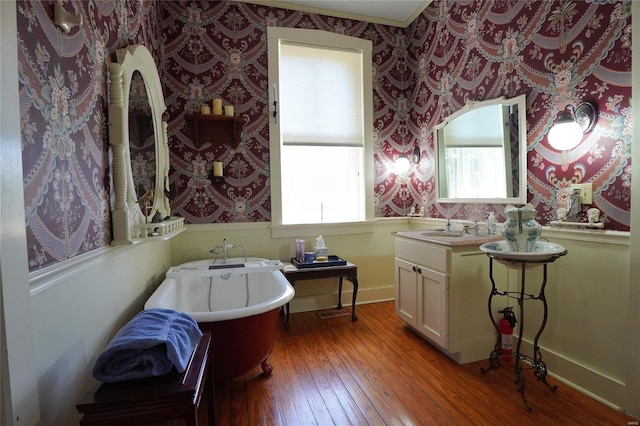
x: 322, y: 252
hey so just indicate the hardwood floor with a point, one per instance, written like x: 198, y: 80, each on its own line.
x: 376, y: 371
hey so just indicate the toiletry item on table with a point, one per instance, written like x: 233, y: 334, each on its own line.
x: 300, y: 250
x: 321, y: 250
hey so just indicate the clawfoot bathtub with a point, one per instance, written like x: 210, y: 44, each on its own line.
x: 239, y: 302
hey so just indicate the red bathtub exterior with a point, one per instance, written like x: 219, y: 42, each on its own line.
x: 241, y: 344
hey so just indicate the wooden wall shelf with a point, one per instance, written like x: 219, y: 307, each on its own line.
x: 216, y: 129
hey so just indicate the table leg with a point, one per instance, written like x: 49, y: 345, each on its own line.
x: 286, y: 316
x: 286, y: 309
x: 340, y: 293
x: 354, y: 280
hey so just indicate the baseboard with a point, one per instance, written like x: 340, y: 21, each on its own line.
x: 329, y: 300
x: 605, y: 389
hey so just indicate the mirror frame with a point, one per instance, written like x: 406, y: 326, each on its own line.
x: 522, y: 147
x: 128, y: 222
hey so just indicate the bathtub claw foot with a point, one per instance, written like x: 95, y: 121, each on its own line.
x: 267, y: 368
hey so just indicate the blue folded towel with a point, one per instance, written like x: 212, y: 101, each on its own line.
x: 151, y: 344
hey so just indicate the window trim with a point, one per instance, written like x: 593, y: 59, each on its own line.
x: 318, y: 37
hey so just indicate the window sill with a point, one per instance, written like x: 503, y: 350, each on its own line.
x: 343, y: 228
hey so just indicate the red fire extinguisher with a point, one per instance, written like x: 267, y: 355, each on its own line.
x: 506, y: 325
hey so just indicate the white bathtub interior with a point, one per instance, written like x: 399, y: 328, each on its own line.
x: 220, y: 294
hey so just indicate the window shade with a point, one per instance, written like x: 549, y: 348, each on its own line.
x: 321, y: 102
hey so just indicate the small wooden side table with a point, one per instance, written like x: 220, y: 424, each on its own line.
x: 176, y: 398
x: 348, y: 271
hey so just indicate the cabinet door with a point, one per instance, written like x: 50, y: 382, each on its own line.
x: 406, y: 291
x: 433, y: 310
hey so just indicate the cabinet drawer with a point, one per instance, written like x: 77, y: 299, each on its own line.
x: 429, y: 255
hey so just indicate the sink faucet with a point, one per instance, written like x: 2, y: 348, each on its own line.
x: 448, y: 225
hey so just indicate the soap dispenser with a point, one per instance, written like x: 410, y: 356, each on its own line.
x: 492, y: 226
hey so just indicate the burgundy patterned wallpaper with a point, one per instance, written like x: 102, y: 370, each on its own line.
x: 219, y: 50
x: 556, y: 52
x: 63, y: 82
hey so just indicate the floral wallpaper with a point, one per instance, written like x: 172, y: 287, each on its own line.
x: 63, y: 84
x: 219, y: 50
x: 556, y: 52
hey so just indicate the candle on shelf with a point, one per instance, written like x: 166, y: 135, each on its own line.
x: 217, y: 168
x: 217, y: 106
x: 228, y: 110
x: 205, y: 110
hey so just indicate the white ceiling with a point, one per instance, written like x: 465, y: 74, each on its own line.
x: 391, y: 12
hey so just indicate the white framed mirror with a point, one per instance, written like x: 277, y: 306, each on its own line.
x: 481, y: 153
x: 138, y: 140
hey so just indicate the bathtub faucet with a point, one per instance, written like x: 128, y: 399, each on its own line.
x: 225, y: 247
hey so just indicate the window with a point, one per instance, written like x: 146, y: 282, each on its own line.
x: 321, y: 136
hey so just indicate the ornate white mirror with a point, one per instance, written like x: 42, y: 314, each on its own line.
x: 138, y: 140
x: 481, y: 153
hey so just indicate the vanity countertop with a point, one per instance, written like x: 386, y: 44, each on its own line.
x: 432, y: 236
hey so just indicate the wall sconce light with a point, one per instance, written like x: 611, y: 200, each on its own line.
x: 403, y: 162
x: 64, y: 20
x: 567, y: 132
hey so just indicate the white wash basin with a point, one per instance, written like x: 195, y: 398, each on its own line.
x: 544, y: 251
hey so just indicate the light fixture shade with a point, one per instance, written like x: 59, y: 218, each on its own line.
x: 415, y: 155
x: 402, y: 164
x: 565, y: 134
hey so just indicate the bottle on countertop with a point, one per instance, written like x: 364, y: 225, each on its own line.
x: 492, y: 226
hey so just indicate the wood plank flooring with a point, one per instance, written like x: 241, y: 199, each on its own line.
x: 376, y: 371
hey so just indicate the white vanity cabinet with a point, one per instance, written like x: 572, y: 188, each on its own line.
x: 421, y: 289
x: 442, y: 290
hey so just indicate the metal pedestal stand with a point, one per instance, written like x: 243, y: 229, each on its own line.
x: 539, y: 367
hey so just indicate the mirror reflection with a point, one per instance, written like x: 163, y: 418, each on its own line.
x: 142, y: 143
x: 481, y: 153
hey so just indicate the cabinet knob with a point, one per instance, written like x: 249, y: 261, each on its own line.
x: 414, y: 268
x: 419, y: 270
